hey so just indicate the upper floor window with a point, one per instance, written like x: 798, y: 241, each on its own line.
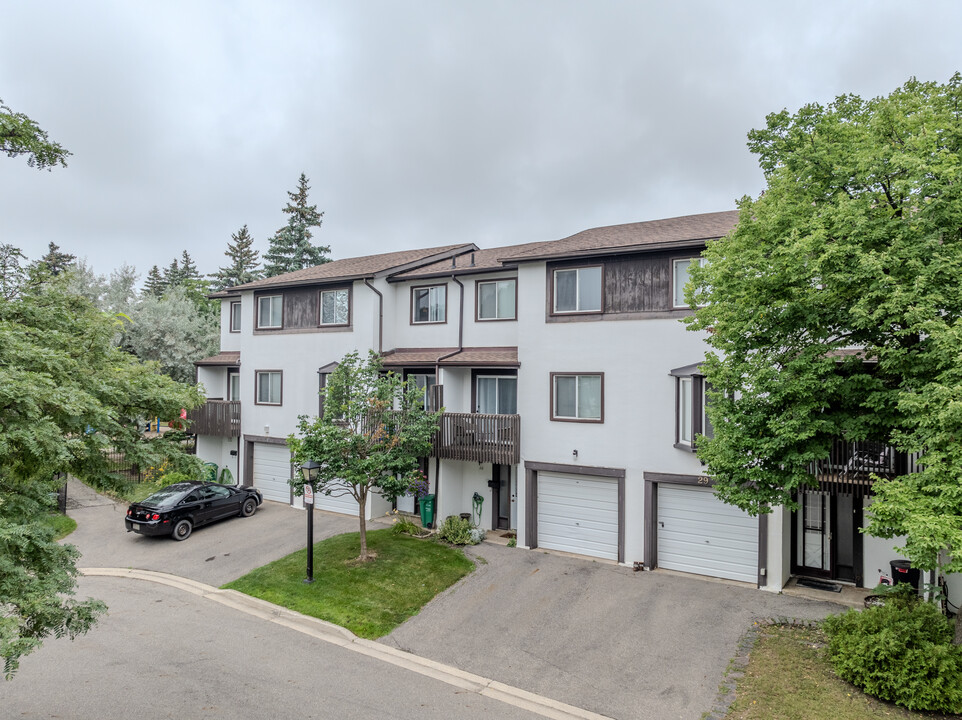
x: 426, y: 382
x: 268, y: 387
x: 577, y: 290
x: 235, y: 317
x: 679, y: 279
x: 335, y: 307
x: 428, y: 304
x: 497, y: 299
x: 270, y: 311
x: 577, y: 397
x: 497, y: 395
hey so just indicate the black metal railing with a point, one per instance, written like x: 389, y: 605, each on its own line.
x: 851, y: 466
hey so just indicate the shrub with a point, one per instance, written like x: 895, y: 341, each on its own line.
x: 457, y: 531
x: 901, y: 652
x: 408, y: 527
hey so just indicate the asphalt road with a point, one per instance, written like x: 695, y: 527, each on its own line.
x: 164, y: 653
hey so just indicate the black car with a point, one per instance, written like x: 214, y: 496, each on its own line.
x: 177, y: 509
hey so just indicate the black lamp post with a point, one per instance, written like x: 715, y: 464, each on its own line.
x: 309, y: 471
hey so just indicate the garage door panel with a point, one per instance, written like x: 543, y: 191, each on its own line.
x: 578, y: 514
x: 272, y: 471
x: 698, y: 533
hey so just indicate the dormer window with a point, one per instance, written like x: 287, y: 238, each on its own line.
x: 335, y: 307
x: 680, y: 276
x: 270, y: 312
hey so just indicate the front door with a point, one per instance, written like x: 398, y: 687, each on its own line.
x: 501, y: 497
x: 826, y: 542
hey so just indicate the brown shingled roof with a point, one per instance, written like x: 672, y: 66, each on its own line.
x: 642, y: 235
x: 368, y: 266
x: 221, y: 358
x: 470, y: 262
x: 469, y: 356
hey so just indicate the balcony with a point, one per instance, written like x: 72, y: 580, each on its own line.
x: 851, y: 466
x: 218, y: 418
x: 479, y: 438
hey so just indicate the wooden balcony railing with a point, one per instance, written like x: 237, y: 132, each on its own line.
x: 479, y: 438
x: 220, y: 418
x: 850, y: 466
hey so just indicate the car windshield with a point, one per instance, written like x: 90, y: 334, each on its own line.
x: 167, y: 497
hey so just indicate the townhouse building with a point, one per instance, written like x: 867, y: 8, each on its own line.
x: 571, y: 391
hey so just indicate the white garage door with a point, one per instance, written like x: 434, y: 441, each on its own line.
x: 272, y: 469
x: 578, y: 514
x: 336, y: 502
x: 700, y: 534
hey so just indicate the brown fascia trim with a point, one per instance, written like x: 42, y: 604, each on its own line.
x: 450, y: 272
x: 429, y: 260
x: 224, y: 295
x: 621, y: 250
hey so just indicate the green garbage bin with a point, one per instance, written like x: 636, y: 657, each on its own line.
x: 427, y: 510
x: 210, y: 472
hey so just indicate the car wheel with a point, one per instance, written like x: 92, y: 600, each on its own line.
x: 182, y: 530
x: 248, y: 508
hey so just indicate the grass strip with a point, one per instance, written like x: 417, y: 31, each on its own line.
x: 369, y: 599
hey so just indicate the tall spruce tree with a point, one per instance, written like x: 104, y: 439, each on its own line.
x: 244, y: 264
x: 55, y: 261
x: 155, y: 285
x: 291, y: 248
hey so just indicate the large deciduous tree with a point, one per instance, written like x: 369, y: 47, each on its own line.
x: 834, y: 310
x: 291, y: 248
x: 19, y: 135
x: 373, y: 431
x: 67, y: 395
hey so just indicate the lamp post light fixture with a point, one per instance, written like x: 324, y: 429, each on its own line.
x: 309, y: 470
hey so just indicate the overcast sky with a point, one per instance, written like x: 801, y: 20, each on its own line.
x: 418, y: 123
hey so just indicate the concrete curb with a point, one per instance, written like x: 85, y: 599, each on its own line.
x: 336, y: 635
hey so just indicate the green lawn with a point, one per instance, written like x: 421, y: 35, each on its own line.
x: 369, y: 599
x: 61, y: 524
x: 789, y: 678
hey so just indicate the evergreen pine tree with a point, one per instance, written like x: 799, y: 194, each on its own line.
x: 244, y: 265
x: 55, y: 261
x: 291, y: 248
x: 188, y: 269
x: 172, y: 274
x: 155, y: 285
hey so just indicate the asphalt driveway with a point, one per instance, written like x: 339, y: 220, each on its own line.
x: 214, y: 554
x: 592, y: 634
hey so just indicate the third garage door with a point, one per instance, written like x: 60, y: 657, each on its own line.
x: 698, y: 533
x: 578, y: 514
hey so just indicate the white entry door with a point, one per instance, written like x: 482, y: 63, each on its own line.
x: 700, y: 534
x: 578, y: 514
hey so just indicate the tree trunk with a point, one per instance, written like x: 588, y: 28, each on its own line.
x: 361, y: 504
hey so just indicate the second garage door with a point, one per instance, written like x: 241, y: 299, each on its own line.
x: 272, y: 470
x: 700, y: 534
x: 578, y: 514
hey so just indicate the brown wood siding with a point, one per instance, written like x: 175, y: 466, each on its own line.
x: 300, y: 308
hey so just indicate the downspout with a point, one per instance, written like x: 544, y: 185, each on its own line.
x: 380, y: 316
x: 437, y: 374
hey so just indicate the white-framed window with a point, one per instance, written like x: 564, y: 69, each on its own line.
x: 685, y: 411
x: 269, y: 387
x: 335, y: 307
x: 497, y: 394
x: 578, y: 290
x: 428, y: 304
x: 691, y: 400
x: 270, y: 311
x: 679, y: 279
x: 577, y: 397
x: 233, y: 386
x: 235, y: 317
x: 497, y: 299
